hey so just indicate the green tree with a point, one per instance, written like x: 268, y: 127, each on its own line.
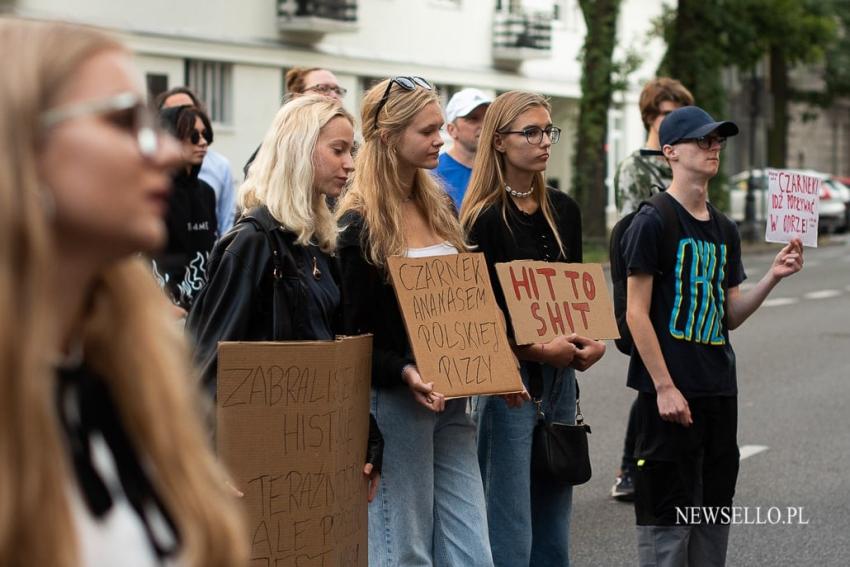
x: 704, y: 36
x: 787, y: 33
x: 598, y: 69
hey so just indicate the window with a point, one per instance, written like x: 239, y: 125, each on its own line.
x: 213, y: 82
x: 566, y: 14
x: 156, y: 83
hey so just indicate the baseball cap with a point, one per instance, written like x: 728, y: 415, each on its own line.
x: 465, y: 101
x: 691, y: 122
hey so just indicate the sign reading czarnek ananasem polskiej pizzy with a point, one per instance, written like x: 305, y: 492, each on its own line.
x: 792, y: 208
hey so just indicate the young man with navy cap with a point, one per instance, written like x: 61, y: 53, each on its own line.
x: 464, y: 118
x: 684, y: 366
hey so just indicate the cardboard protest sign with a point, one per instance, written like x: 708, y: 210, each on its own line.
x: 292, y: 425
x: 547, y: 299
x: 454, y: 325
x: 793, y: 200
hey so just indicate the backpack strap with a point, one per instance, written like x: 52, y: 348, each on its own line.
x: 663, y: 203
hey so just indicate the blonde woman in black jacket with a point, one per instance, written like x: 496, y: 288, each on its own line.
x: 305, y: 158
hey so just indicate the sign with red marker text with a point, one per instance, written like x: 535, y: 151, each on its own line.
x: 292, y: 420
x: 548, y: 299
x: 792, y: 207
x: 454, y: 326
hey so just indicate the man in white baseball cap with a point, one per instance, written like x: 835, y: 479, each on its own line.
x: 464, y: 117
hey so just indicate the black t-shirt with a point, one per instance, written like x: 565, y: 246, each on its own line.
x: 323, y: 296
x: 526, y: 237
x: 688, y: 302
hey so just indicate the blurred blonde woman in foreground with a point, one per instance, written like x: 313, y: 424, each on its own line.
x: 102, y: 456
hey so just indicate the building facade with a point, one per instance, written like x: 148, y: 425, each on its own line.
x: 235, y: 54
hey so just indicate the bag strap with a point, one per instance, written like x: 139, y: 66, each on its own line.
x: 278, y: 301
x: 535, y: 383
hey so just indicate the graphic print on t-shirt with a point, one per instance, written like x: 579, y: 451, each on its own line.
x: 697, y: 314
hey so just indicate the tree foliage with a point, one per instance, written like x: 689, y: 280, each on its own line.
x: 704, y: 36
x: 597, y: 88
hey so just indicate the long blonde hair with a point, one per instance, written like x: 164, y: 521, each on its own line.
x: 487, y: 184
x: 281, y: 177
x: 127, y: 336
x: 377, y: 191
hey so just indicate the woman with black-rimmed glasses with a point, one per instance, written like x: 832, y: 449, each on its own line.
x: 429, y: 509
x: 181, y: 268
x: 510, y: 214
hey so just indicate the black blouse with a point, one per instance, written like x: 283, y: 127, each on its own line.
x: 369, y: 304
x: 517, y: 235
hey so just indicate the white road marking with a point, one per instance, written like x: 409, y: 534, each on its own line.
x: 748, y: 451
x: 812, y: 263
x: 822, y: 294
x: 777, y: 301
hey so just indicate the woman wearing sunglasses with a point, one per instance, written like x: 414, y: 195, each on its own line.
x: 510, y: 214
x: 272, y: 277
x: 430, y: 504
x: 181, y: 268
x: 103, y: 459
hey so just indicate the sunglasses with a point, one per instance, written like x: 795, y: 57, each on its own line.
x: 196, y: 135
x: 126, y: 111
x: 407, y: 83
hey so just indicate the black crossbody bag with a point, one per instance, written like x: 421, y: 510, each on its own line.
x: 559, y: 450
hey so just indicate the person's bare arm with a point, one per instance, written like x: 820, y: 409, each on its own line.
x: 672, y: 405
x: 739, y: 306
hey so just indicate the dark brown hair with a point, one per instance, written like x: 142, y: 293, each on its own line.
x: 658, y: 90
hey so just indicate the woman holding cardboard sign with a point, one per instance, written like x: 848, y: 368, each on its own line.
x: 103, y: 459
x: 272, y: 277
x: 511, y: 215
x: 430, y: 505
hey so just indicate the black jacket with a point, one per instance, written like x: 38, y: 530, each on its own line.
x: 238, y: 302
x: 369, y: 305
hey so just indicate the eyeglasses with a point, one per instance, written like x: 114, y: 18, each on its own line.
x: 196, y: 135
x: 327, y: 89
x: 125, y: 110
x: 407, y: 83
x: 705, y: 142
x: 534, y: 134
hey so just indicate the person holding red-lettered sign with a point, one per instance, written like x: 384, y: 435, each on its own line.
x: 511, y: 215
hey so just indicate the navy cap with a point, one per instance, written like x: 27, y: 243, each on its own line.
x: 691, y: 122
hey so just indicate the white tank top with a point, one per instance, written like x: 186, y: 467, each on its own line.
x: 441, y: 249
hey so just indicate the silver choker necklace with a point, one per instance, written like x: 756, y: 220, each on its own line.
x: 517, y: 193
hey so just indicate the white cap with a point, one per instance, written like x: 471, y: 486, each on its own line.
x: 465, y: 101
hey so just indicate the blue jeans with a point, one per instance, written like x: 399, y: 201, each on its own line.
x: 528, y: 515
x: 430, y: 508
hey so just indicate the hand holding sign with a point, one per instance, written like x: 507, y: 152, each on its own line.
x: 789, y: 260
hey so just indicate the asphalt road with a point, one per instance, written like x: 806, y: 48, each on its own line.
x: 794, y: 382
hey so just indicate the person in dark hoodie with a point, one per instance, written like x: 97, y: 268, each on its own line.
x: 181, y: 268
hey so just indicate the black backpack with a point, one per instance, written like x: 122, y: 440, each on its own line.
x: 669, y: 245
x: 619, y: 272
